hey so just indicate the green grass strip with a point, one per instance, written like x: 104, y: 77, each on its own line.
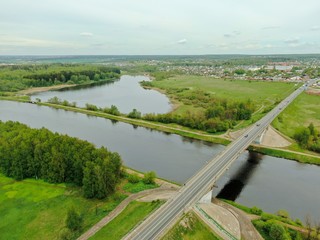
x: 286, y: 154
x: 134, y: 213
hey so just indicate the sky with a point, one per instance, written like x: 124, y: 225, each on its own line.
x: 159, y: 27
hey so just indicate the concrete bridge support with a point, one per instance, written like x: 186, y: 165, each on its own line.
x: 207, y: 198
x: 259, y: 139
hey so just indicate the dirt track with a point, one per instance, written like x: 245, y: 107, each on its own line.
x: 151, y: 193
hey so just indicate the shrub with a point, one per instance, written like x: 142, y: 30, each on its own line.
x: 74, y: 220
x: 133, y: 178
x: 149, y: 178
x: 283, y: 213
x: 298, y: 222
x: 66, y: 234
x: 91, y: 107
x: 278, y: 232
x: 134, y: 114
x: 256, y: 210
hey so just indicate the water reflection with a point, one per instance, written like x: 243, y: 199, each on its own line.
x: 114, y: 122
x: 87, y: 86
x: 242, y: 176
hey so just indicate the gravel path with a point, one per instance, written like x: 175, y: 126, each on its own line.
x: 95, y: 228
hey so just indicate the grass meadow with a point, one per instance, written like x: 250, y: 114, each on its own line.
x: 304, y: 110
x: 126, y: 220
x: 261, y: 92
x: 34, y: 209
x: 190, y: 227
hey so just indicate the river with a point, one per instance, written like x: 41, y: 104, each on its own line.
x: 125, y: 93
x: 253, y: 180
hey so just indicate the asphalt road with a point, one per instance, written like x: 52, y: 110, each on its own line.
x: 201, y: 182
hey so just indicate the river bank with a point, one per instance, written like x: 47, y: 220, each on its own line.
x: 177, y: 158
x: 271, y: 151
x: 34, y: 90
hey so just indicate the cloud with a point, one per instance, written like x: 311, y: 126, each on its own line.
x: 47, y: 26
x: 270, y: 27
x: 295, y: 40
x: 231, y: 35
x: 86, y: 34
x: 315, y: 28
x: 31, y: 42
x: 182, y: 41
x: 223, y: 46
x: 98, y: 45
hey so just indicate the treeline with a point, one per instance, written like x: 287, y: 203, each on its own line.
x: 219, y: 116
x: 214, y: 114
x: 308, y: 138
x: 39, y: 153
x: 18, y: 77
x: 74, y: 75
x: 58, y: 101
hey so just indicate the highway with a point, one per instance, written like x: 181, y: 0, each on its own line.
x: 154, y: 226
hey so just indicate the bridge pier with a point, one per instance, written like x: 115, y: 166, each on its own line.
x: 259, y: 139
x: 206, y: 198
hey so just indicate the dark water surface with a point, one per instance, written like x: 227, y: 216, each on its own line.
x: 125, y: 93
x: 253, y: 180
x: 171, y: 156
x: 271, y: 184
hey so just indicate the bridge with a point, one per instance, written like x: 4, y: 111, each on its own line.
x: 160, y: 221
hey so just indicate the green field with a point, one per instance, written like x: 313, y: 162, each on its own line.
x: 127, y: 220
x: 190, y: 227
x: 34, y: 209
x: 262, y: 93
x: 304, y: 110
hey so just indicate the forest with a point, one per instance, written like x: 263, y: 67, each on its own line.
x: 18, y: 77
x: 56, y: 158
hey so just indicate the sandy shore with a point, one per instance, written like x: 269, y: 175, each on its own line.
x: 272, y: 138
x: 30, y: 91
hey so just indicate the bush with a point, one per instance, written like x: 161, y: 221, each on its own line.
x: 298, y: 222
x: 66, y: 234
x: 256, y: 210
x: 266, y: 216
x: 74, y: 220
x: 91, y: 107
x: 134, y: 114
x: 149, y: 178
x: 133, y: 178
x: 278, y: 232
x: 113, y: 110
x: 283, y: 213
